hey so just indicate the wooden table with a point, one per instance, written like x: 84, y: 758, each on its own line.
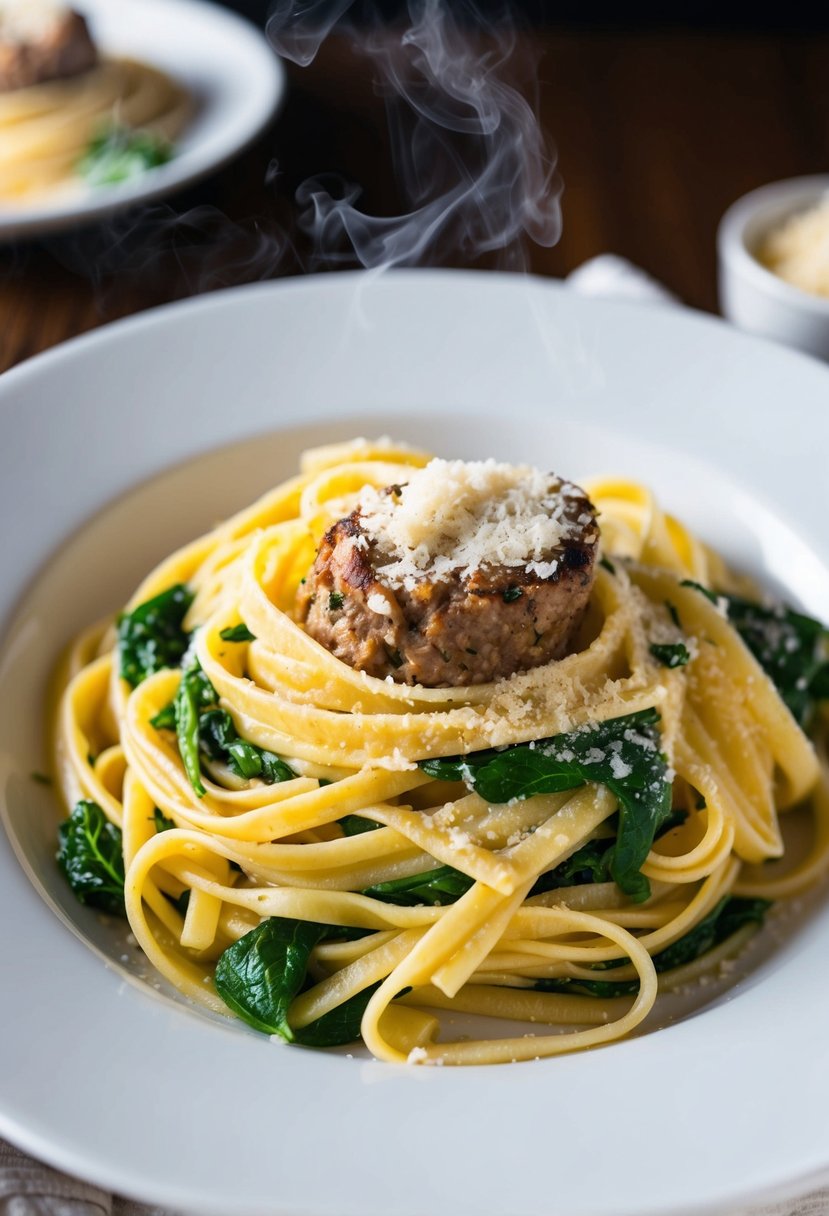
x: 656, y: 135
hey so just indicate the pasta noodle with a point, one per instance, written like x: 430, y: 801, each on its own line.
x: 45, y: 129
x: 503, y: 945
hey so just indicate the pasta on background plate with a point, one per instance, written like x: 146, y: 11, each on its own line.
x: 370, y: 755
x: 72, y: 117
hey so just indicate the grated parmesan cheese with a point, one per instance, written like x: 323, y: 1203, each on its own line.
x: 378, y: 603
x: 798, y: 251
x: 452, y: 517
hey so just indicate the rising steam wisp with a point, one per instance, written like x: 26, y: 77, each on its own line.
x: 474, y: 169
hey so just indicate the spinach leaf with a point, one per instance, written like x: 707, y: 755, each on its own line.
x: 671, y: 654
x: 436, y: 887
x: 119, y: 154
x: 194, y: 688
x: 202, y: 728
x: 260, y: 974
x: 274, y: 769
x: 152, y: 636
x: 91, y: 857
x: 355, y: 825
x: 165, y: 719
x: 792, y: 649
x: 444, y: 885
x: 220, y: 740
x: 182, y: 903
x: 729, y: 915
x: 722, y: 922
x: 237, y: 633
x: 706, y: 591
x: 590, y: 863
x: 162, y: 822
x: 340, y: 1025
x: 621, y: 753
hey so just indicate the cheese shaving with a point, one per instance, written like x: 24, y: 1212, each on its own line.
x: 454, y: 516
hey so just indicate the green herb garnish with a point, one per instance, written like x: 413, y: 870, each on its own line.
x: 121, y: 154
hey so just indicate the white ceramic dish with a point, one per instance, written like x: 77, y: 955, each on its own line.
x: 752, y: 296
x: 226, y: 65
x: 108, y: 1078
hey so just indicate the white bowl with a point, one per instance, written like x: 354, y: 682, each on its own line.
x: 753, y: 297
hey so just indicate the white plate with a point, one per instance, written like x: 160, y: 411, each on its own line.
x: 106, y: 1077
x: 227, y: 66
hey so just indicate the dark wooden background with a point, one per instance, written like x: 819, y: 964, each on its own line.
x: 657, y: 133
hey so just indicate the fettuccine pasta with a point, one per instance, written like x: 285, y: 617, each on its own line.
x: 45, y: 129
x: 351, y: 814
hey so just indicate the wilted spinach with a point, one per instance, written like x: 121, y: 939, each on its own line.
x: 260, y: 975
x: 792, y: 649
x: 152, y: 636
x: 237, y: 633
x: 204, y: 729
x: 671, y: 654
x: 622, y: 753
x: 91, y: 857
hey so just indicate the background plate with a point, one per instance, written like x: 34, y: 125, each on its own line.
x: 106, y: 1077
x: 235, y: 78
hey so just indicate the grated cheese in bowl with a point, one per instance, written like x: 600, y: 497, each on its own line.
x: 798, y: 250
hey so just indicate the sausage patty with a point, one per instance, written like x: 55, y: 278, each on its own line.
x: 467, y: 627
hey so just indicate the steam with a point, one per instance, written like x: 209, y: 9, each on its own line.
x: 474, y: 172
x: 469, y: 155
x: 162, y: 253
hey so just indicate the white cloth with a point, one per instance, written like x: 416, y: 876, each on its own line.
x: 28, y: 1188
x: 612, y: 277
